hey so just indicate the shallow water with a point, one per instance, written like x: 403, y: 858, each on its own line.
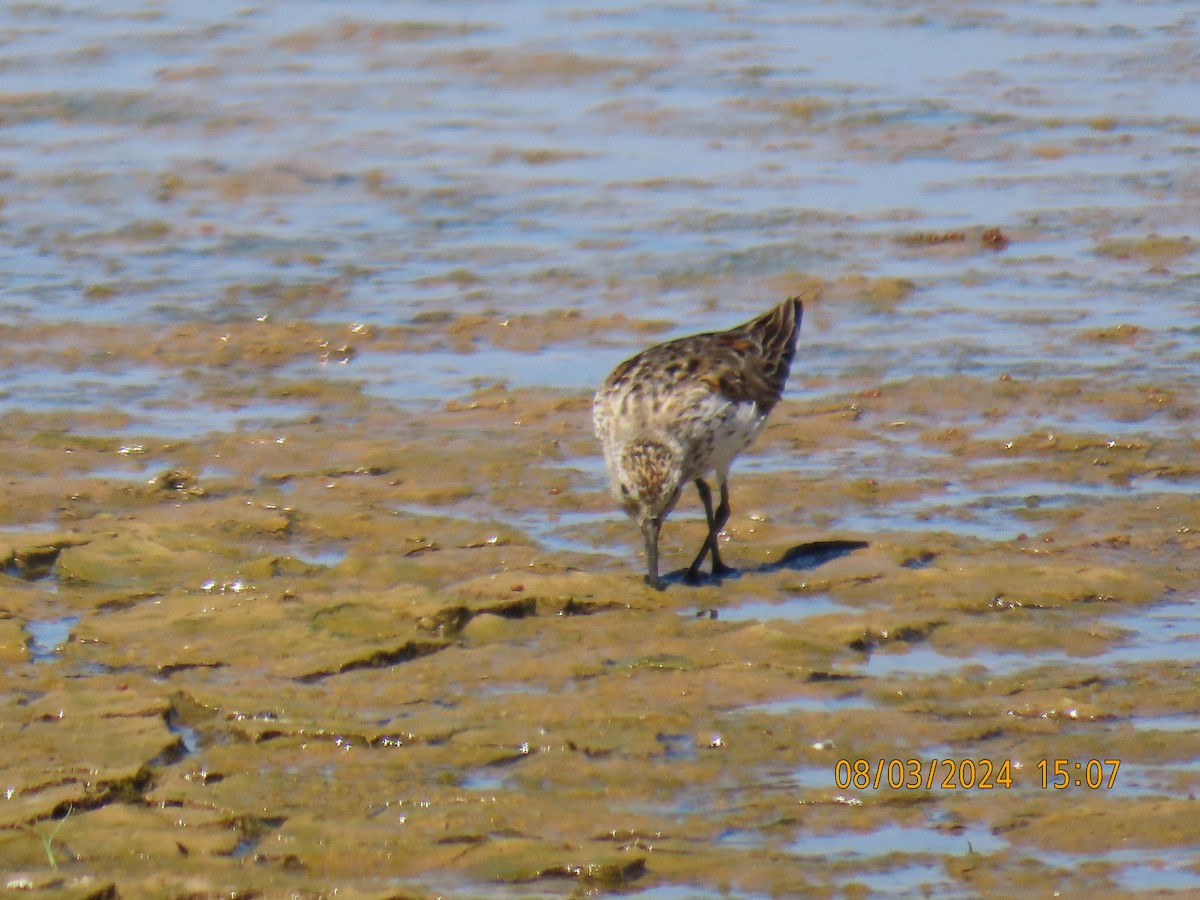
x: 302, y: 311
x: 47, y: 638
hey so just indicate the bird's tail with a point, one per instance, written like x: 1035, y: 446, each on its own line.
x: 777, y: 329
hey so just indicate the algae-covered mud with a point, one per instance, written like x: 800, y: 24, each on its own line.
x: 310, y: 582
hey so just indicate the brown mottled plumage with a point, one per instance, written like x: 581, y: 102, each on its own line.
x: 685, y: 408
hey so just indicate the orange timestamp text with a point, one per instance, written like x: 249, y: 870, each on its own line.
x: 971, y: 774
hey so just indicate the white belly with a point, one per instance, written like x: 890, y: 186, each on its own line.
x: 723, y: 430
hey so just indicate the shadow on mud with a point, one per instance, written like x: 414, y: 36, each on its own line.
x: 798, y: 558
x: 811, y: 555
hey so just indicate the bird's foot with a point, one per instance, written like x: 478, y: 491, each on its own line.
x: 694, y: 576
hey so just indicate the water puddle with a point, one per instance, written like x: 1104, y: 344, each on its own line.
x: 31, y: 528
x: 556, y: 531
x: 189, y: 736
x: 809, y: 705
x: 138, y: 476
x: 1167, y: 723
x: 325, y: 555
x: 1176, y: 780
x: 740, y: 839
x: 927, y: 880
x: 572, y: 532
x: 899, y: 839
x: 810, y: 778
x: 689, y: 892
x: 996, y: 514
x: 156, y: 402
x: 789, y: 608
x: 1159, y: 873
x: 486, y: 780
x: 1166, y: 631
x: 923, y: 660
x: 417, y: 380
x: 201, y: 419
x: 48, y: 638
x: 918, y: 516
x: 46, y: 388
x: 1140, y: 870
x: 495, y: 689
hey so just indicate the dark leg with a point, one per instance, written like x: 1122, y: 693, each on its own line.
x: 715, y: 523
x: 693, y: 572
x: 720, y: 520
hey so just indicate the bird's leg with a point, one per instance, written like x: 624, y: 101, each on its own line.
x: 650, y: 528
x: 716, y: 526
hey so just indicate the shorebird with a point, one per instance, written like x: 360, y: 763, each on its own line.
x: 680, y: 410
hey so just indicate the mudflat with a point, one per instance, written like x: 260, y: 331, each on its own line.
x: 311, y: 576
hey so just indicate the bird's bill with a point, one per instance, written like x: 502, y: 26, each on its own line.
x: 650, y: 529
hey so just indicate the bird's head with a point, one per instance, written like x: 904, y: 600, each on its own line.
x: 646, y: 480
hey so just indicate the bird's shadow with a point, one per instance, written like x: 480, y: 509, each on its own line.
x: 798, y: 558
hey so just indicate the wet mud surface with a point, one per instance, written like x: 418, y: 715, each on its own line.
x: 310, y: 580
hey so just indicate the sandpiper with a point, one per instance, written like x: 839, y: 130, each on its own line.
x: 680, y: 410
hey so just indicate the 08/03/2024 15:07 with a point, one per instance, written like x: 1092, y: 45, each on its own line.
x: 968, y: 774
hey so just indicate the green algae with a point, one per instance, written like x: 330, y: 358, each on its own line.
x: 448, y: 668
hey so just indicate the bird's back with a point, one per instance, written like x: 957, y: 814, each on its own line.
x: 751, y: 363
x: 711, y: 392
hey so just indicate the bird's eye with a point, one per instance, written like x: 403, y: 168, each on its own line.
x: 624, y: 491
